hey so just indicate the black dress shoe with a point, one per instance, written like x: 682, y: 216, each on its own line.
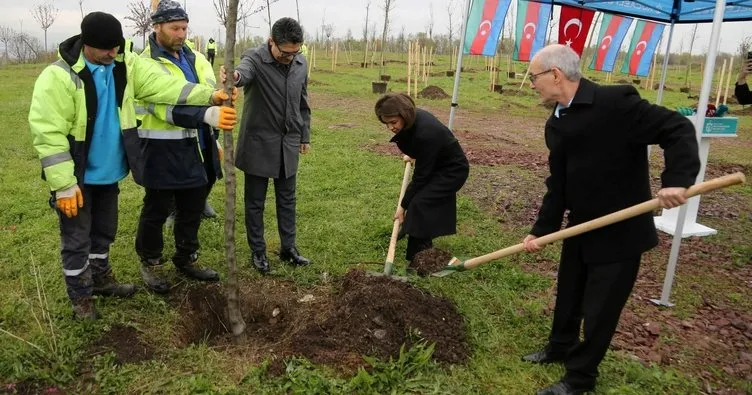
x: 563, y: 388
x: 544, y: 356
x: 293, y: 256
x: 260, y: 262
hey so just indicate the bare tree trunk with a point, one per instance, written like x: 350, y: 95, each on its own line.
x: 689, y: 61
x: 237, y: 325
x: 365, y: 36
x: 81, y: 7
x: 297, y: 8
x: 269, y: 15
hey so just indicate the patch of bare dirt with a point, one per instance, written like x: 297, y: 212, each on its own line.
x: 360, y: 315
x: 430, y: 261
x: 124, y: 342
x: 433, y: 92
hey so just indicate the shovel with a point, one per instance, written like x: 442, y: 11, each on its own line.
x: 395, y: 228
x: 455, y: 265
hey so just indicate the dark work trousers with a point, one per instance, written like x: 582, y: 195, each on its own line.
x: 255, y: 197
x: 85, y: 239
x: 416, y: 245
x: 594, y: 293
x: 210, y: 53
x: 189, y: 204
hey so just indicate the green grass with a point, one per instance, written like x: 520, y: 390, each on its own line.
x: 346, y: 197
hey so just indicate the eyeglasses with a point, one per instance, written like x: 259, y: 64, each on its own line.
x: 286, y: 54
x: 534, y: 77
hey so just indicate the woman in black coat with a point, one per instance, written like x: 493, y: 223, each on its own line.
x: 429, y: 207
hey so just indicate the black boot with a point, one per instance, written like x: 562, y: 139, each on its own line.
x: 150, y: 272
x: 83, y: 309
x: 106, y: 285
x: 292, y: 255
x: 189, y: 268
x: 545, y: 356
x: 260, y: 262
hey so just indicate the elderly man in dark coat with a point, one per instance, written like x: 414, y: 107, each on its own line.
x: 429, y: 207
x: 598, y: 139
x: 276, y: 127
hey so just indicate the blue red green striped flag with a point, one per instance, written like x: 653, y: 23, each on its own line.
x: 484, y: 23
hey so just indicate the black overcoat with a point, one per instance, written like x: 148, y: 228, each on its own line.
x: 599, y: 164
x: 441, y: 169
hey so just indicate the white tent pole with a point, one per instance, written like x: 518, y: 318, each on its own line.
x: 456, y: 90
x: 707, y: 80
x: 664, y: 70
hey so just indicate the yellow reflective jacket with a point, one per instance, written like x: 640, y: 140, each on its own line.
x: 170, y: 146
x: 64, y: 106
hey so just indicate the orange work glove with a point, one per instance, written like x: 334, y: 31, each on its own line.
x: 69, y: 201
x: 222, y: 117
x: 220, y: 96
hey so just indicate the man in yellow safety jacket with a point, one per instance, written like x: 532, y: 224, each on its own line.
x: 180, y: 154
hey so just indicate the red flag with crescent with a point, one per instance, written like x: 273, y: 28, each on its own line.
x: 574, y: 25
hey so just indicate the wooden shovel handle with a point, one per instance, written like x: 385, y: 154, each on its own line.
x: 396, y: 226
x: 621, y: 215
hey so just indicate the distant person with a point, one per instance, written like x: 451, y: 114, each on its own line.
x: 741, y: 89
x: 83, y: 127
x: 429, y: 207
x: 598, y: 138
x: 211, y: 51
x: 275, y: 130
x: 180, y: 154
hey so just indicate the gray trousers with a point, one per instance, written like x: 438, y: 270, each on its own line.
x: 85, y: 239
x: 255, y: 197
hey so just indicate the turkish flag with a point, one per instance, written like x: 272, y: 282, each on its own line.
x: 574, y: 25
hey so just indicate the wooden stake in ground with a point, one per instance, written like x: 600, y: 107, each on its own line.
x: 720, y: 85
x: 237, y: 325
x: 313, y: 56
x: 524, y: 78
x: 334, y: 58
x: 310, y: 61
x: 416, y: 69
x: 728, y: 80
x: 409, y: 65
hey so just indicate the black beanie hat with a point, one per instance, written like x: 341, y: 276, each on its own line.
x: 101, y: 30
x: 168, y: 11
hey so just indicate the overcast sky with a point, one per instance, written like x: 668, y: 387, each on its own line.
x: 343, y: 14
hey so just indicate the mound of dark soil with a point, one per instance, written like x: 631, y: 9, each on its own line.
x: 125, y: 343
x: 362, y: 315
x: 430, y: 261
x: 374, y: 316
x: 433, y: 92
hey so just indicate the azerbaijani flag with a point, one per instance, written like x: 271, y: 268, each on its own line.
x: 484, y: 25
x: 644, y: 43
x: 532, y: 24
x: 613, y: 30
